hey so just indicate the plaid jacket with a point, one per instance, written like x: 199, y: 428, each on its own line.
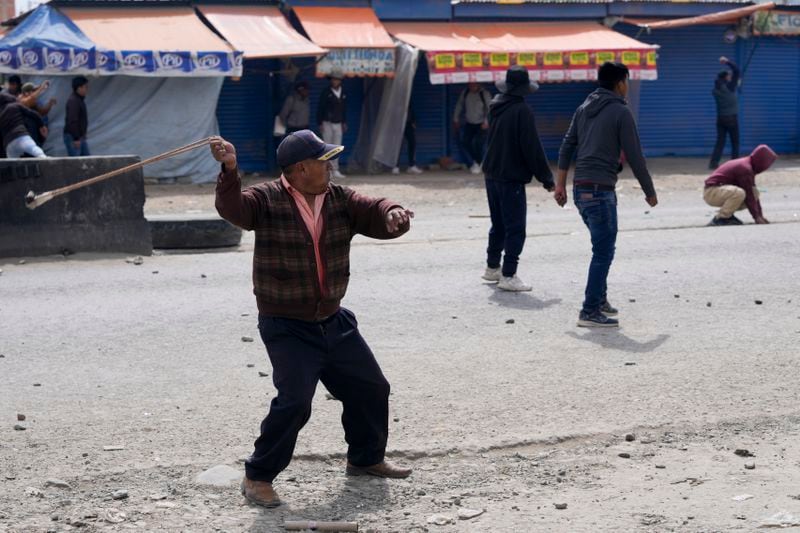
x: 285, y: 277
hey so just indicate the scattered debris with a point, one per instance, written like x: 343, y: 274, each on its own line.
x: 708, y: 304
x: 630, y: 437
x: 469, y: 514
x: 19, y: 427
x: 661, y: 467
x: 250, y: 365
x: 245, y: 314
x: 155, y: 271
x: 510, y: 321
x: 759, y: 302
x: 396, y: 419
x: 749, y: 466
x: 32, y: 491
x: 37, y: 384
x: 219, y: 476
x: 114, y: 516
x: 203, y: 276
x: 113, y: 448
x: 138, y: 260
x: 440, y: 520
x: 22, y: 262
x: 677, y: 296
x: 119, y: 495
x: 693, y: 481
x: 632, y: 300
x: 560, y: 506
x: 158, y: 497
x: 630, y: 363
x: 263, y: 374
x: 20, y: 417
x: 624, y: 455
x: 794, y: 496
x: 781, y: 519
x: 58, y: 483
x: 742, y: 497
x: 742, y: 452
x: 247, y: 339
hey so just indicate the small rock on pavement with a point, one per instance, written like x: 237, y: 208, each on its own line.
x: 250, y: 365
x: 20, y: 417
x: 219, y: 476
x: 510, y: 321
x: 632, y: 300
x: 263, y: 374
x: 708, y: 304
x: 630, y: 437
x: 158, y: 497
x: 135, y: 260
x: 119, y: 495
x: 625, y: 455
x: 743, y: 452
x: 440, y: 520
x: 742, y: 497
x: 750, y: 466
x: 58, y: 483
x: 759, y: 302
x: 561, y: 506
x: 469, y: 514
x: 203, y: 276
x: 113, y: 448
x: 660, y: 467
x: 19, y: 427
x: 37, y: 384
x: 247, y: 339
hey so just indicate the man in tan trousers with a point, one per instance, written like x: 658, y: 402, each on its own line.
x: 732, y: 187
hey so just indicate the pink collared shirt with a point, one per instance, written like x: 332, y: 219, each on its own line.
x: 313, y: 221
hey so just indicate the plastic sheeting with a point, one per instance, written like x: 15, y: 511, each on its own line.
x: 144, y: 117
x: 382, y: 142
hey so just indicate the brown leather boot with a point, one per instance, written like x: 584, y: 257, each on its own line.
x: 383, y: 469
x: 260, y: 493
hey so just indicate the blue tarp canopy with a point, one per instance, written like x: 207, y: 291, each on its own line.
x: 47, y: 42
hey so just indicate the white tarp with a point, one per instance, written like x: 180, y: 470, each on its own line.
x: 144, y: 117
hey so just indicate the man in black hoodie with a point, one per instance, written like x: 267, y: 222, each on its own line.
x: 602, y: 130
x: 514, y: 155
x: 725, y: 87
x: 76, y: 123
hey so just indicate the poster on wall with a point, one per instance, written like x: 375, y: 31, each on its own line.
x: 355, y: 62
x: 580, y: 65
x: 776, y: 23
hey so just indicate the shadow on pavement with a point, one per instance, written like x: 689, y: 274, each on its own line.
x: 520, y: 300
x: 616, y: 340
x: 357, y: 496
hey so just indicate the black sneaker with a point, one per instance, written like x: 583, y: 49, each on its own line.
x: 735, y: 221
x: 596, y: 320
x: 730, y: 221
x: 608, y: 310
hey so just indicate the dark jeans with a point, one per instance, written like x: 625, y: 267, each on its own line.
x: 598, y: 210
x: 71, y: 150
x: 303, y: 353
x: 726, y: 126
x: 473, y: 142
x: 410, y: 134
x: 508, y: 210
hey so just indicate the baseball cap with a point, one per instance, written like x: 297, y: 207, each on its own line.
x: 28, y: 87
x: 304, y: 144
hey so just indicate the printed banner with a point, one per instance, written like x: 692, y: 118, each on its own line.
x: 776, y: 23
x: 463, y: 67
x: 364, y: 62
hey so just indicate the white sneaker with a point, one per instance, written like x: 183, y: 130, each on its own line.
x: 396, y: 171
x: 338, y: 175
x: 492, y: 274
x: 513, y: 284
x: 414, y: 170
x: 475, y: 168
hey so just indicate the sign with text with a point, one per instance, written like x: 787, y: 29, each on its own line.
x: 355, y: 62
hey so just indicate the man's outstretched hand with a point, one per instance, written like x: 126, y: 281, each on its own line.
x: 398, y: 217
x: 224, y: 152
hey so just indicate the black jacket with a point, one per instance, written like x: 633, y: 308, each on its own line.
x: 515, y: 152
x: 601, y: 130
x: 13, y: 116
x: 76, y: 122
x: 331, y: 108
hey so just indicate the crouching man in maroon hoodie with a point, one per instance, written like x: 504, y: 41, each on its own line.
x: 732, y: 187
x: 301, y: 267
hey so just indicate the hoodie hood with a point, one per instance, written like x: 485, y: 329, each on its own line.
x: 501, y: 103
x: 762, y: 158
x: 598, y: 100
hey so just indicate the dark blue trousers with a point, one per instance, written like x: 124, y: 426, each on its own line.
x: 508, y: 209
x: 302, y: 354
x: 598, y: 210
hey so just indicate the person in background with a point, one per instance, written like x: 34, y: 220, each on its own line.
x: 29, y: 96
x: 602, y: 129
x: 725, y: 87
x: 410, y: 135
x: 296, y: 111
x: 76, y: 123
x: 732, y: 187
x: 13, y: 85
x: 514, y: 156
x: 17, y: 141
x: 332, y: 114
x: 473, y: 103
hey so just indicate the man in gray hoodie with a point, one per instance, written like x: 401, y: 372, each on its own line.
x: 602, y: 130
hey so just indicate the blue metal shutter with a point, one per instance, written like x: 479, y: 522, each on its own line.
x: 769, y: 111
x: 245, y: 116
x: 433, y: 124
x: 553, y: 106
x: 677, y: 114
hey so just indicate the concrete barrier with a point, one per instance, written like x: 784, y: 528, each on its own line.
x: 104, y: 217
x: 192, y: 231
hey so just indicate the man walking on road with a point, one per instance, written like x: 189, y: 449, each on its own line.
x: 332, y: 114
x: 725, y: 87
x: 473, y: 103
x: 515, y: 154
x: 602, y: 129
x: 301, y: 268
x: 732, y: 187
